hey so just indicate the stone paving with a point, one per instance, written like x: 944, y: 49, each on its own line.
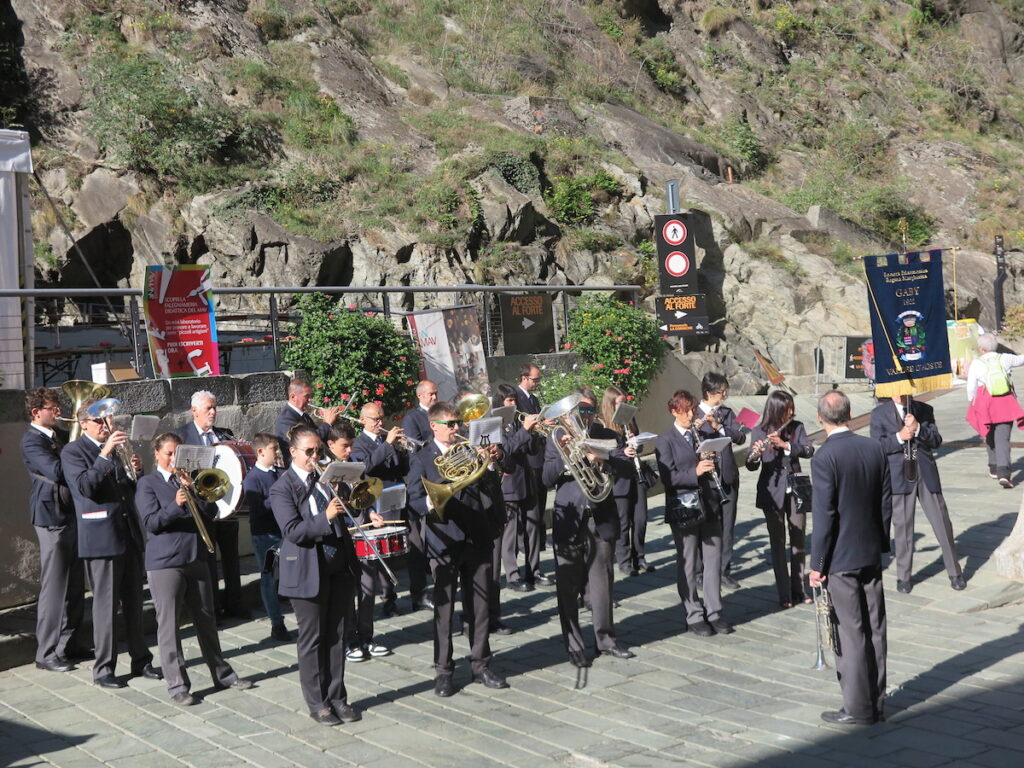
x: 956, y: 677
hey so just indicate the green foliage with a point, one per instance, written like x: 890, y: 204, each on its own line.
x: 661, y: 64
x: 447, y: 209
x: 391, y: 72
x: 716, y: 19
x: 146, y: 119
x: 647, y: 248
x: 521, y: 172
x: 616, y: 344
x: 787, y: 24
x: 741, y: 140
x: 314, y: 121
x: 1013, y: 321
x: 350, y: 355
x: 572, y: 199
x: 595, y: 240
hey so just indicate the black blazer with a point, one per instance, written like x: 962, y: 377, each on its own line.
x: 172, y: 539
x: 467, y: 519
x: 572, y: 507
x: 886, y: 422
x: 677, y: 462
x: 851, y: 504
x: 189, y: 434
x: 287, y: 419
x: 776, y: 466
x: 49, y: 499
x: 301, y: 531
x: 728, y: 472
x: 528, y: 403
x: 417, y: 425
x: 516, y: 445
x: 381, y: 458
x: 104, y: 498
x: 622, y: 468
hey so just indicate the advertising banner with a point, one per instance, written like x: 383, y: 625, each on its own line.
x: 908, y: 323
x: 452, y: 350
x: 178, y: 305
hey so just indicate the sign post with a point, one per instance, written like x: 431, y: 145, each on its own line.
x: 683, y: 315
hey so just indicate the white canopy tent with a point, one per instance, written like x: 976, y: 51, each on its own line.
x: 17, y: 261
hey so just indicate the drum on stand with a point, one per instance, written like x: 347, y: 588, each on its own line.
x: 236, y: 458
x: 389, y: 541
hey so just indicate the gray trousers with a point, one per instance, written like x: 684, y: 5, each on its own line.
x: 934, y: 506
x: 61, y: 604
x: 997, y: 441
x: 706, y: 540
x: 586, y: 562
x: 629, y: 547
x: 320, y: 640
x: 531, y: 524
x: 117, y: 581
x: 860, y: 661
x: 725, y: 512
x: 471, y: 567
x: 504, y: 553
x: 510, y: 541
x: 187, y: 585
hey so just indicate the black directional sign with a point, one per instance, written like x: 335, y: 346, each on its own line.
x: 683, y: 315
x: 526, y: 323
x: 677, y: 264
x: 855, y: 357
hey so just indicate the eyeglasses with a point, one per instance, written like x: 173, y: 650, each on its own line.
x: 374, y: 418
x: 534, y: 379
x: 450, y: 423
x: 96, y: 421
x: 50, y: 408
x: 313, y: 451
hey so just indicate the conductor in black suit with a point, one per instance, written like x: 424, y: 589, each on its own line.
x: 61, y: 576
x: 916, y: 432
x: 416, y: 423
x: 110, y: 542
x: 458, y: 546
x: 531, y: 525
x: 203, y: 431
x: 319, y: 573
x: 300, y: 392
x: 852, y: 509
x: 178, y: 575
x: 583, y: 535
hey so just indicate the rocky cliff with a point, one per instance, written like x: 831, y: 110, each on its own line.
x: 372, y: 142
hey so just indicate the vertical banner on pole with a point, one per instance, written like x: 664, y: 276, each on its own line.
x: 452, y: 350
x: 180, y: 325
x: 908, y: 323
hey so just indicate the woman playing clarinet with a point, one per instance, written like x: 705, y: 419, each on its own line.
x: 778, y: 444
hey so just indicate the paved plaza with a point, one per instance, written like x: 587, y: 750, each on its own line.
x: 956, y: 675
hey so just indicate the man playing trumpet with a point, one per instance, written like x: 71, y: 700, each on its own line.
x: 296, y: 411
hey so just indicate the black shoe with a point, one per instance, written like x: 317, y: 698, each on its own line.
x: 325, y: 717
x: 618, y: 652
x: 490, y: 679
x: 957, y: 583
x: 702, y: 628
x: 645, y: 568
x: 521, y: 586
x: 543, y: 580
x: 425, y: 603
x: 346, y: 713
x: 149, y: 672
x: 839, y: 717
x: 109, y: 681
x: 722, y: 627
x: 497, y: 628
x: 904, y: 587
x: 728, y: 582
x: 280, y: 633
x: 629, y: 572
x: 184, y: 699
x: 389, y: 609
x: 240, y: 684
x: 579, y: 659
x: 443, y: 686
x: 239, y: 613
x: 55, y: 665
x: 85, y: 654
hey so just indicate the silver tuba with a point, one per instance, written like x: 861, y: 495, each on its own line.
x: 594, y: 483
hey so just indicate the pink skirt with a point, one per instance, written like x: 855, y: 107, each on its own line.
x: 986, y: 410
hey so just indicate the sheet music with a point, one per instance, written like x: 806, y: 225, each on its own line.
x: 144, y: 428
x: 392, y: 499
x: 347, y: 472
x: 639, y: 441
x: 624, y: 414
x: 193, y: 458
x: 490, y: 426
x: 714, y: 445
x: 600, y: 448
x: 506, y: 413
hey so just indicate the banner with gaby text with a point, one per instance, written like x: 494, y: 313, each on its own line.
x: 178, y: 305
x: 908, y: 323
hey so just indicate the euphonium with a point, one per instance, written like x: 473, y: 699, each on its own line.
x: 78, y: 392
x: 594, y: 483
x: 107, y: 409
x: 462, y: 466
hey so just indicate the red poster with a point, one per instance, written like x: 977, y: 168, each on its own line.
x: 182, y: 334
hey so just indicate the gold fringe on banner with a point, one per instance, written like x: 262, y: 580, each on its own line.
x: 914, y: 386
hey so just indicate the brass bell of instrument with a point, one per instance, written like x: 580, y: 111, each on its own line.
x: 472, y: 406
x: 78, y: 391
x: 211, y: 484
x: 365, y: 493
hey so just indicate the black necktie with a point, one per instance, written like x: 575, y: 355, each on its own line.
x: 330, y: 551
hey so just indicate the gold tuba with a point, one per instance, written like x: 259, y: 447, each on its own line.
x: 595, y: 484
x: 78, y: 391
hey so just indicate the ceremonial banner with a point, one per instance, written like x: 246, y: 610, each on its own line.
x: 452, y: 350
x: 178, y: 305
x: 908, y: 323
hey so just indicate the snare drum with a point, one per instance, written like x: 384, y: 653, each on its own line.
x: 236, y: 458
x: 389, y: 541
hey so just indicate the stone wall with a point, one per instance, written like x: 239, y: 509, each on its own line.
x: 246, y: 405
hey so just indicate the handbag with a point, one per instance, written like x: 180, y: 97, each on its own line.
x: 684, y: 510
x: 800, y: 483
x: 648, y: 478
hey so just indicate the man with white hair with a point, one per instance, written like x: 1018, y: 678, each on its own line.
x: 202, y: 431
x: 993, y: 404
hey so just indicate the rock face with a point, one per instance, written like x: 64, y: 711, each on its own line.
x: 768, y: 285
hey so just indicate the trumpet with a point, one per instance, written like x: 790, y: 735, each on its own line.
x: 106, y: 409
x: 207, y: 485
x: 825, y: 624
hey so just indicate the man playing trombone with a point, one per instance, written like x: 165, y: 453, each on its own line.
x: 458, y: 541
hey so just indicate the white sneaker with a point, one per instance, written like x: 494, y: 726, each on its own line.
x: 357, y: 654
x: 375, y: 649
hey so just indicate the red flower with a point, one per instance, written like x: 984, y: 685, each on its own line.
x: 408, y: 404
x: 366, y: 391
x: 408, y: 382
x: 629, y: 397
x: 377, y: 402
x: 627, y: 361
x: 351, y: 306
x: 330, y: 317
x: 380, y: 389
x: 319, y: 385
x: 568, y: 345
x: 325, y: 399
x: 401, y: 358
x: 399, y: 416
x: 618, y: 338
x: 345, y: 395
x: 607, y: 333
x: 385, y: 373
